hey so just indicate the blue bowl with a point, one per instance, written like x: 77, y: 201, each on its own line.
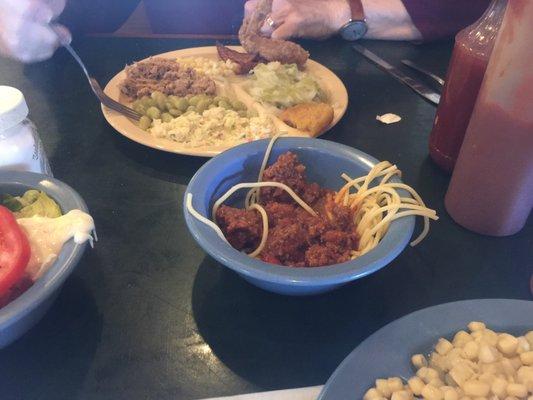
x: 325, y: 161
x: 22, y: 313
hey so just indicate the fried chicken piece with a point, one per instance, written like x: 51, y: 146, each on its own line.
x: 270, y: 49
x: 309, y: 117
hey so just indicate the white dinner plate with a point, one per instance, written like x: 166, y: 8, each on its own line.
x: 328, y: 81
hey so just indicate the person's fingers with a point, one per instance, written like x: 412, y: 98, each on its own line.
x: 285, y: 31
x: 270, y: 25
x: 62, y: 33
x: 29, y: 42
x: 283, y: 8
x: 249, y: 7
x: 41, y: 45
x: 274, y: 19
x: 56, y: 6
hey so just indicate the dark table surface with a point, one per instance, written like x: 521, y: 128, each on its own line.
x: 147, y: 315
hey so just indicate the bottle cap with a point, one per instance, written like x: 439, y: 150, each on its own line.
x: 13, y: 107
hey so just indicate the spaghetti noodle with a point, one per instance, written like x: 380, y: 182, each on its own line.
x: 375, y: 201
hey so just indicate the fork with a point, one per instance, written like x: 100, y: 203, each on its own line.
x: 97, y: 90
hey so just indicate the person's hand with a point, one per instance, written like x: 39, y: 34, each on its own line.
x: 386, y: 19
x: 26, y: 29
x: 303, y: 18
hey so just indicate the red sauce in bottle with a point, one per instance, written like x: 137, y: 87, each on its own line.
x: 491, y: 190
x: 470, y: 56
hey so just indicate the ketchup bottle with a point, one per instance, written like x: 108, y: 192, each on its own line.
x: 491, y: 190
x: 470, y: 56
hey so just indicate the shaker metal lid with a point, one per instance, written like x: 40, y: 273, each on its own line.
x: 13, y: 107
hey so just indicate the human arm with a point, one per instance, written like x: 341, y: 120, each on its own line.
x: 386, y: 19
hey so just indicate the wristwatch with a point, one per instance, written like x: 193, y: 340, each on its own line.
x: 356, y: 27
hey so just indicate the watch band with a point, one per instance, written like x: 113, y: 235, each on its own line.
x: 356, y: 7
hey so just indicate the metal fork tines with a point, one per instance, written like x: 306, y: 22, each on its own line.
x: 97, y: 90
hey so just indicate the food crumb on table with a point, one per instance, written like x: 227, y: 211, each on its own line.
x: 388, y: 118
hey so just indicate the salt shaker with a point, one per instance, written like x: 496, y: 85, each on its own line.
x: 20, y: 146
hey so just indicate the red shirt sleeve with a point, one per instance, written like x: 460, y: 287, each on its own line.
x: 439, y: 19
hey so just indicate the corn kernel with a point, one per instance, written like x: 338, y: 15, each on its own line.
x: 471, y: 350
x: 527, y: 358
x: 432, y: 393
x: 408, y: 390
x: 427, y: 374
x: 443, y: 346
x: 507, y: 367
x: 516, y: 390
x: 437, y: 361
x: 419, y: 361
x: 450, y: 393
x: 499, y: 387
x: 507, y: 344
x: 453, y: 360
x: 476, y: 326
x: 401, y: 395
x: 372, y: 394
x: 437, y: 382
x: 460, y: 374
x: 395, y: 384
x: 476, y: 388
x: 525, y: 376
x: 529, y: 337
x: 461, y: 338
x: 487, y: 354
x: 490, y: 337
x: 523, y: 345
x: 382, y: 385
x: 493, y: 369
x: 416, y: 385
x: 515, y: 362
x: 486, y: 377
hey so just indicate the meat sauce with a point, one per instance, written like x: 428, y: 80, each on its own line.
x: 295, y: 237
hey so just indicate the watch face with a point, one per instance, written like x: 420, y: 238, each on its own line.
x: 354, y: 30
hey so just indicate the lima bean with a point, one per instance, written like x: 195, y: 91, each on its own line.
x: 175, y: 112
x: 180, y: 103
x: 153, y: 112
x: 166, y: 117
x: 145, y: 122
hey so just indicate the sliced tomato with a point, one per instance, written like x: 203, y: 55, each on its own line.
x: 14, y: 251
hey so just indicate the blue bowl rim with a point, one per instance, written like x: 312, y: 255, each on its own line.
x: 260, y: 270
x: 58, y: 272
